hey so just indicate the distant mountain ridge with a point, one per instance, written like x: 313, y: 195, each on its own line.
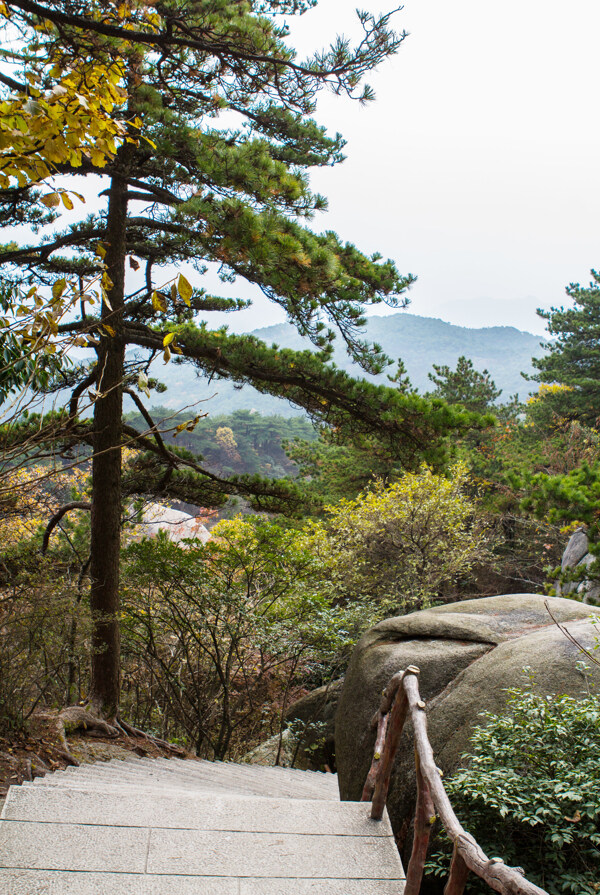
x: 420, y: 341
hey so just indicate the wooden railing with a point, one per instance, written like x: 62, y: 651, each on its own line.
x: 400, y: 699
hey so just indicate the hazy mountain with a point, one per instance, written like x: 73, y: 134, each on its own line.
x: 419, y: 341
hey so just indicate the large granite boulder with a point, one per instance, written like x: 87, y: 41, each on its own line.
x: 469, y: 653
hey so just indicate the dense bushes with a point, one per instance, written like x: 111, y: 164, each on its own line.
x: 218, y: 638
x: 43, y: 645
x: 531, y: 790
x: 44, y: 620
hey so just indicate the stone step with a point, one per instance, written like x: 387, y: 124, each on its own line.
x: 295, y: 781
x: 316, y: 780
x: 235, y: 778
x: 101, y: 784
x: 128, y: 788
x: 230, y: 770
x: 160, y: 851
x: 191, y: 811
x: 294, y: 774
x: 55, y: 882
x: 171, y: 827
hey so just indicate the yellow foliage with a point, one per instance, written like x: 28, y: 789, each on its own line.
x: 547, y: 389
x: 40, y: 131
x: 44, y: 127
x: 407, y: 542
x: 226, y: 440
x: 29, y: 497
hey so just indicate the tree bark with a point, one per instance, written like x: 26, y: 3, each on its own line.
x: 106, y: 468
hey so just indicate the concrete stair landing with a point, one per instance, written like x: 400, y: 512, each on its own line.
x: 174, y: 827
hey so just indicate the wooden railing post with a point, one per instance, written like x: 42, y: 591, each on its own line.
x: 394, y: 703
x: 459, y: 872
x: 424, y: 820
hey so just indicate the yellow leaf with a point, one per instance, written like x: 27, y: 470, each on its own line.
x: 51, y: 200
x: 66, y: 200
x: 158, y: 302
x: 58, y: 288
x: 109, y: 330
x: 184, y: 288
x: 167, y: 355
x: 168, y: 339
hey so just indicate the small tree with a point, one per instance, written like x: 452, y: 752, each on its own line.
x: 217, y: 636
x: 465, y: 385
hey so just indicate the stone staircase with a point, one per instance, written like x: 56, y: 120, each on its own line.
x: 175, y: 827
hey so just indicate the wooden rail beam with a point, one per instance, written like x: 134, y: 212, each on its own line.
x: 401, y: 699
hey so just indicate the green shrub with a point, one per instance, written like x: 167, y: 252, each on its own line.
x: 531, y: 791
x: 218, y: 637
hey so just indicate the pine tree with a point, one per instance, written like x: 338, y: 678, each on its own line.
x: 218, y: 174
x: 465, y: 385
x: 572, y: 360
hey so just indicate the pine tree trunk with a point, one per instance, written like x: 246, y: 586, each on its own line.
x: 106, y: 471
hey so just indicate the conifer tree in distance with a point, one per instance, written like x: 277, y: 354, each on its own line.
x: 572, y: 359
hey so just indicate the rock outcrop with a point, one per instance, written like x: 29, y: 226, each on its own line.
x: 577, y: 558
x: 312, y: 718
x: 308, y: 740
x: 469, y: 653
x: 177, y: 525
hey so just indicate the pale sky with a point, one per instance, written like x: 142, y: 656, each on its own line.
x: 477, y: 167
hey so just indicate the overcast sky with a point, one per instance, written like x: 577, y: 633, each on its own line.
x: 477, y: 167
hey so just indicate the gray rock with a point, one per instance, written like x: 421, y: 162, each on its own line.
x: 308, y: 744
x: 590, y: 593
x: 178, y: 526
x: 575, y: 549
x: 469, y: 653
x: 576, y: 556
x: 267, y: 753
x: 313, y: 720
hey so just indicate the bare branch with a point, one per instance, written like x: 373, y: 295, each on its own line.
x: 75, y: 505
x: 152, y: 427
